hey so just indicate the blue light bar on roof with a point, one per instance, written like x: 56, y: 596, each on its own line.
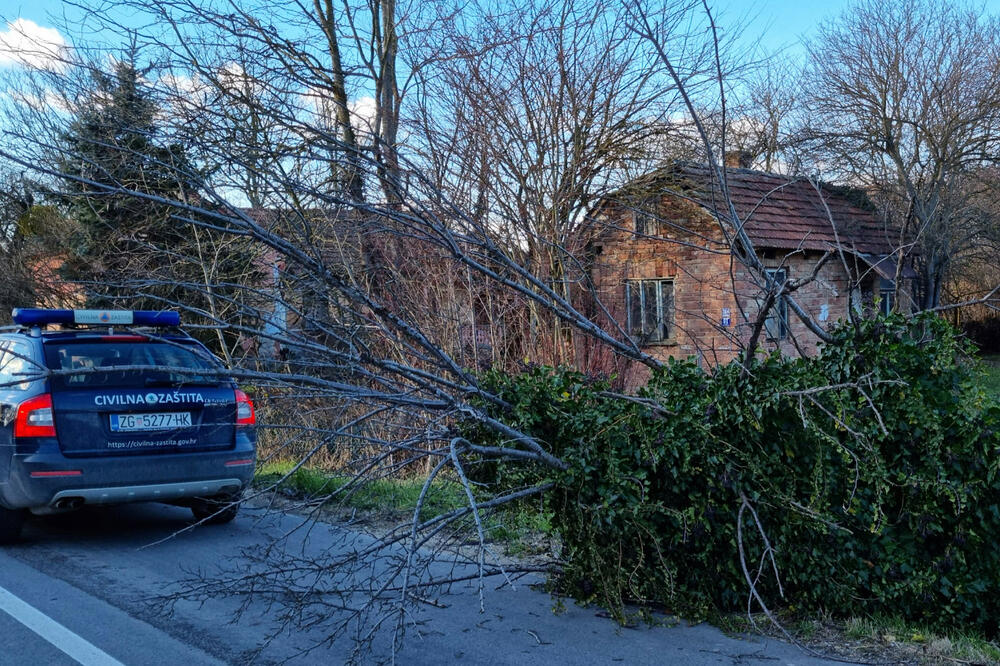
x: 40, y: 317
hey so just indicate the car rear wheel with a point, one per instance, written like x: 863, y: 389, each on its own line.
x: 215, y: 510
x: 11, y: 521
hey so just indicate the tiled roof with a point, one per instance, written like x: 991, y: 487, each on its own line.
x: 787, y: 213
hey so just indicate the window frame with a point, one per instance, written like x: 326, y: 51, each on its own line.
x: 776, y: 325
x: 646, y: 218
x: 663, y: 332
x: 886, y: 295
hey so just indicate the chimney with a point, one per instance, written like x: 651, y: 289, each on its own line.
x: 739, y: 159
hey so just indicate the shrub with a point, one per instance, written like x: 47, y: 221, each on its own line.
x: 871, y: 469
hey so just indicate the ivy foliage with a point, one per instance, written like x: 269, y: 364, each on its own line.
x: 864, y: 479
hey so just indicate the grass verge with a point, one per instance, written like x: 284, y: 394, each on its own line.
x: 521, y: 530
x: 392, y: 496
x: 924, y: 642
x: 884, y: 640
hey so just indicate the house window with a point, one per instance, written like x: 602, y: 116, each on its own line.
x: 650, y: 306
x: 886, y: 295
x: 776, y: 324
x: 647, y: 220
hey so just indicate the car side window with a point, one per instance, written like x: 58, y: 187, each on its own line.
x: 15, y: 364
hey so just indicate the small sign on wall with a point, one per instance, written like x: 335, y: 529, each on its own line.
x: 824, y: 312
x: 727, y: 319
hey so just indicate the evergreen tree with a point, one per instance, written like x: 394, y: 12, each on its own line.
x: 130, y: 250
x: 112, y: 148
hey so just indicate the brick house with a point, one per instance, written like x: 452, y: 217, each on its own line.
x: 664, y: 271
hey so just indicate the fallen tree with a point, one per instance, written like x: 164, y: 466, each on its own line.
x: 362, y: 331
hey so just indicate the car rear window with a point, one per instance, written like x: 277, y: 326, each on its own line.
x: 176, y: 364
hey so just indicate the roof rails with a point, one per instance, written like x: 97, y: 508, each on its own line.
x: 42, y: 317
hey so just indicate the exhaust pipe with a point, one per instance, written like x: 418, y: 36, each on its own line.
x: 68, y: 503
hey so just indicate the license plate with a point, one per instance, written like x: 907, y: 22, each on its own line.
x: 155, y: 421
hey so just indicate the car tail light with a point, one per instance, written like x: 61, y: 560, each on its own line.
x: 35, y: 418
x: 244, y: 410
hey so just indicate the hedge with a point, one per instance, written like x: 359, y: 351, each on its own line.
x: 870, y: 470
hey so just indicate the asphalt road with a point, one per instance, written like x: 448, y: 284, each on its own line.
x: 88, y: 588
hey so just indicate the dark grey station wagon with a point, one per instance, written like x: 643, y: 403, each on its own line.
x: 114, y: 407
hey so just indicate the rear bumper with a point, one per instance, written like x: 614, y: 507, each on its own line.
x: 159, y: 492
x: 120, y: 479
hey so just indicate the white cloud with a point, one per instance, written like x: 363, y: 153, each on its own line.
x: 361, y: 109
x: 363, y: 114
x: 184, y: 87
x: 28, y: 44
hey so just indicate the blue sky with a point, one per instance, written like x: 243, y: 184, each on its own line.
x: 778, y: 24
x: 781, y: 23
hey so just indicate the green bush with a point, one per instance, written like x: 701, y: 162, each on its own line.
x: 871, y: 468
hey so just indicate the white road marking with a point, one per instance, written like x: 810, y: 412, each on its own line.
x: 77, y: 648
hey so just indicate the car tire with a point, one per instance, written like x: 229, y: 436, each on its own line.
x: 215, y: 510
x: 11, y: 521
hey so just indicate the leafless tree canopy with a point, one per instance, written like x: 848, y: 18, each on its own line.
x: 903, y: 99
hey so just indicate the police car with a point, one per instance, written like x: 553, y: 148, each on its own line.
x: 114, y: 407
